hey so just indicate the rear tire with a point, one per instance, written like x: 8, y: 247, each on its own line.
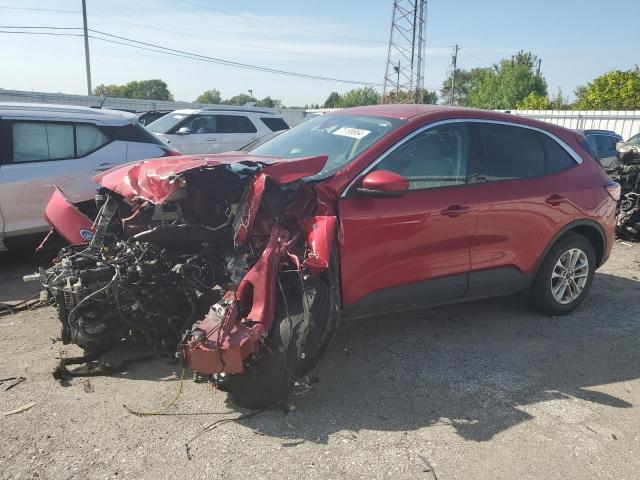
x: 565, y: 276
x: 302, y: 330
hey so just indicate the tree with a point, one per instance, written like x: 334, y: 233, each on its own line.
x: 534, y: 101
x: 559, y: 101
x: 145, y: 89
x: 209, y: 96
x: 240, y: 99
x: 507, y: 84
x: 423, y: 96
x: 332, y: 101
x: 463, y: 78
x: 269, y: 102
x: 358, y: 97
x: 616, y: 90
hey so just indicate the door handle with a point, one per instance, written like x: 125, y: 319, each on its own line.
x: 555, y: 199
x: 104, y: 166
x: 455, y: 211
x: 212, y: 139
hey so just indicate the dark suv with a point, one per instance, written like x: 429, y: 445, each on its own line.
x: 603, y: 143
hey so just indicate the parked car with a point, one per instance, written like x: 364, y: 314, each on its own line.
x: 145, y: 118
x: 215, y: 130
x: 603, y: 143
x: 46, y: 145
x: 365, y: 211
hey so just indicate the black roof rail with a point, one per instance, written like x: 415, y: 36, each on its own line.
x: 244, y: 110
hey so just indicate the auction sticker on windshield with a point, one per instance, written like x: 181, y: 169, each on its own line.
x: 352, y: 132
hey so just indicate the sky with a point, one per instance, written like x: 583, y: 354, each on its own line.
x: 577, y: 40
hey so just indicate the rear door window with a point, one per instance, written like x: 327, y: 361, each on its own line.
x: 236, y: 124
x: 508, y: 152
x: 39, y: 141
x: 606, y: 146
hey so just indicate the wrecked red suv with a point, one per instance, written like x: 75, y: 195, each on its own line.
x: 245, y: 262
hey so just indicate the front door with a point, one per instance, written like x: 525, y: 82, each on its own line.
x: 399, y: 253
x: 198, y: 134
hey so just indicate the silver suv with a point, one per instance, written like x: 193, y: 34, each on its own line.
x: 194, y: 131
x: 44, y: 145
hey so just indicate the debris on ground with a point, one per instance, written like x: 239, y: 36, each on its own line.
x: 15, y: 381
x: 20, y: 409
x: 628, y: 176
x: 36, y: 301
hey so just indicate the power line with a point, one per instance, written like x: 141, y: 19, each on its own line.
x: 193, y: 35
x: 44, y: 33
x: 281, y: 25
x: 191, y: 55
x: 230, y: 62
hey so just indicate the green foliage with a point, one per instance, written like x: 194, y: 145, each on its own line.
x: 463, y: 82
x: 240, y: 99
x: 616, y: 90
x: 210, y: 96
x: 332, y: 100
x: 424, y: 97
x: 507, y: 84
x: 145, y: 89
x: 534, y: 101
x: 269, y: 102
x: 358, y: 97
x: 559, y: 101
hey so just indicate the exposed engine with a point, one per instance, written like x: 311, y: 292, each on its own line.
x: 628, y: 176
x: 194, y: 259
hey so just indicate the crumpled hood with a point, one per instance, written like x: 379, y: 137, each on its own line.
x: 155, y: 180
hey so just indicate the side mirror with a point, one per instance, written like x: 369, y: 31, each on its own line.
x: 383, y: 183
x: 183, y: 131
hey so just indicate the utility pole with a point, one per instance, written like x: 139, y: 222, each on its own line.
x: 539, y: 65
x: 454, y: 63
x: 86, y: 46
x: 397, y: 69
x: 405, y: 55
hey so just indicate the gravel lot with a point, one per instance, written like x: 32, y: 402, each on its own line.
x: 482, y: 390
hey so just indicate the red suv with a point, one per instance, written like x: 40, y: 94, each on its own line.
x: 249, y: 260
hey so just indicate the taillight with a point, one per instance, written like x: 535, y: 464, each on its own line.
x: 613, y: 189
x: 171, y: 152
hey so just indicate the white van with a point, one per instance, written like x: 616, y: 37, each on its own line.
x: 195, y: 131
x: 43, y: 145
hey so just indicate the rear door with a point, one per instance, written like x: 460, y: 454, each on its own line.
x: 524, y: 192
x: 41, y: 154
x: 237, y: 131
x: 398, y: 253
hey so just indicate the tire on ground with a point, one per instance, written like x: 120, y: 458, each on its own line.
x: 302, y: 330
x: 540, y: 295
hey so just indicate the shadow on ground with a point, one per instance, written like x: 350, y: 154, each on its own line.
x: 473, y: 366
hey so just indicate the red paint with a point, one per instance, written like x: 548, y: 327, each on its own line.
x: 320, y: 232
x: 66, y: 219
x: 249, y: 208
x: 385, y: 181
x: 156, y: 179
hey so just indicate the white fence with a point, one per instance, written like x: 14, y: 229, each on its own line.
x: 292, y: 116
x: 624, y: 123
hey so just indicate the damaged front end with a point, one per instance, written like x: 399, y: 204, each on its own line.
x: 628, y: 176
x: 225, y: 259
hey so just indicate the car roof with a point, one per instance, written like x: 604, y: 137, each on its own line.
x: 598, y: 131
x: 67, y: 112
x: 191, y: 111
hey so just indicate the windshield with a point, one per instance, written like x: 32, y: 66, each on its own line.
x: 635, y: 140
x: 166, y: 123
x: 340, y: 137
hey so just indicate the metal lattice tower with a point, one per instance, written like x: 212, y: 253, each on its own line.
x: 404, y: 77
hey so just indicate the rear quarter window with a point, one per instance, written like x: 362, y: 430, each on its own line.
x: 557, y: 158
x: 131, y: 133
x: 236, y: 124
x: 274, y: 124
